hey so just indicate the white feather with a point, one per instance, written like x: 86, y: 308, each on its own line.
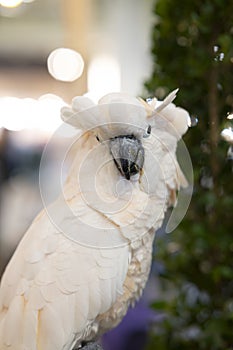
x: 167, y: 100
x: 174, y: 119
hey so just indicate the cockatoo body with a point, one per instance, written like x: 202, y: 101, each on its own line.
x: 86, y: 258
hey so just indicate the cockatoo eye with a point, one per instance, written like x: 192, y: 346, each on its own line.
x: 148, y: 132
x: 97, y: 138
x: 128, y: 154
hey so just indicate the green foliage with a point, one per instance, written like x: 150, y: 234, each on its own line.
x: 192, y: 48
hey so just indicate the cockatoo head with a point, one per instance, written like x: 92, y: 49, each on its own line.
x: 123, y: 121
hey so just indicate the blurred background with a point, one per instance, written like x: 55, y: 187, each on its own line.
x: 52, y: 50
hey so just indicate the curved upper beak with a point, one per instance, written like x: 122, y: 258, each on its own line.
x: 128, y: 154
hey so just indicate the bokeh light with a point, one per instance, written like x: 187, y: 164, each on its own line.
x: 27, y: 113
x: 230, y: 116
x: 65, y: 64
x: 104, y: 75
x: 11, y: 3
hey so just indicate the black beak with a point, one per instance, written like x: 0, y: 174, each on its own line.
x: 128, y: 155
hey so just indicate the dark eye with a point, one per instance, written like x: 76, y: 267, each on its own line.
x: 148, y: 131
x: 97, y: 138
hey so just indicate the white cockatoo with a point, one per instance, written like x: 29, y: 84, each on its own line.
x: 86, y: 258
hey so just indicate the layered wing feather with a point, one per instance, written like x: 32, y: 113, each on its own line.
x: 54, y: 288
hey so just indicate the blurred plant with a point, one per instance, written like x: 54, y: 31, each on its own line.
x: 192, y: 48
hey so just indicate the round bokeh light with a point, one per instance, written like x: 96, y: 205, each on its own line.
x: 65, y: 64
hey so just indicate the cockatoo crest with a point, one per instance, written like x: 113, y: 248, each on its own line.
x: 115, y: 114
x: 121, y: 114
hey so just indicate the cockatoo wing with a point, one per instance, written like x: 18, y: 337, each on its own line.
x: 54, y: 288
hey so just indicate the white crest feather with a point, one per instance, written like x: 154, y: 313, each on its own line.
x: 167, y: 100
